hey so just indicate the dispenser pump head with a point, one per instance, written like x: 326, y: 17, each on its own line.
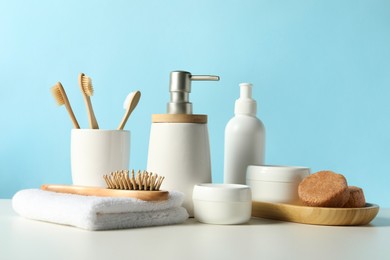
x: 245, y: 105
x: 180, y: 87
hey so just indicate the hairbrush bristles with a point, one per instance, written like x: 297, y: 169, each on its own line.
x: 141, y: 181
x: 87, y: 85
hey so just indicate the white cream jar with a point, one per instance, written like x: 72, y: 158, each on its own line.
x: 222, y: 203
x: 276, y: 184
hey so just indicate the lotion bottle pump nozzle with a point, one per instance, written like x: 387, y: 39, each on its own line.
x: 245, y: 104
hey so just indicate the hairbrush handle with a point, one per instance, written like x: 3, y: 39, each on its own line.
x: 103, y: 192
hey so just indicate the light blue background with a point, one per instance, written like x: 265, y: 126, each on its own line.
x: 320, y: 69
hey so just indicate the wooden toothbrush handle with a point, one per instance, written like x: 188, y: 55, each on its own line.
x: 71, y: 114
x: 103, y: 192
x: 68, y: 106
x: 72, y: 117
x: 91, y: 115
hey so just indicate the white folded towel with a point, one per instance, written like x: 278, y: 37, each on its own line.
x: 98, y: 213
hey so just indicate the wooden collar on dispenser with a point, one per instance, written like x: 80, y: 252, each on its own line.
x: 179, y: 118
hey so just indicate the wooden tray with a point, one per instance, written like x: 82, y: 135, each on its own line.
x: 315, y: 215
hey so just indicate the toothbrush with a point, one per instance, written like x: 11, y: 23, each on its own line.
x: 85, y: 83
x: 130, y: 103
x: 60, y: 96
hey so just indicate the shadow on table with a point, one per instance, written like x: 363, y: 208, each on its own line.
x: 380, y: 222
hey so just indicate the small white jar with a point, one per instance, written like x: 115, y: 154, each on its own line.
x: 222, y: 203
x: 276, y: 184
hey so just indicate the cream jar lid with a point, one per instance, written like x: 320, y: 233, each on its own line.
x: 222, y: 192
x: 276, y: 173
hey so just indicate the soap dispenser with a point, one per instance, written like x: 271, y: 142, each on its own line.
x: 179, y: 146
x: 244, y: 138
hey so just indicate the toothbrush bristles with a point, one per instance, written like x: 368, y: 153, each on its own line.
x: 87, y: 85
x: 140, y: 181
x: 55, y: 90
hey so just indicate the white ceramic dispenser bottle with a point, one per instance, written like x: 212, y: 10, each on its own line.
x: 244, y: 138
x: 179, y: 146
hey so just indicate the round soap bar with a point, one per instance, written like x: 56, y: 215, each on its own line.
x: 324, y: 189
x: 356, y: 198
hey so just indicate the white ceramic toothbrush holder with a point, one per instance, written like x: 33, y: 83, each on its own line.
x: 96, y: 152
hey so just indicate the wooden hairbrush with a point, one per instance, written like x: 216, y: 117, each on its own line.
x: 143, y: 186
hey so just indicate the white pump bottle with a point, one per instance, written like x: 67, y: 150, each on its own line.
x: 244, y: 138
x: 179, y: 147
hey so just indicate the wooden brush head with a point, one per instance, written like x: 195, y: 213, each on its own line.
x: 57, y: 90
x: 87, y: 85
x: 141, y: 181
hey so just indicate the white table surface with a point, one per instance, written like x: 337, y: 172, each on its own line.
x: 22, y: 238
